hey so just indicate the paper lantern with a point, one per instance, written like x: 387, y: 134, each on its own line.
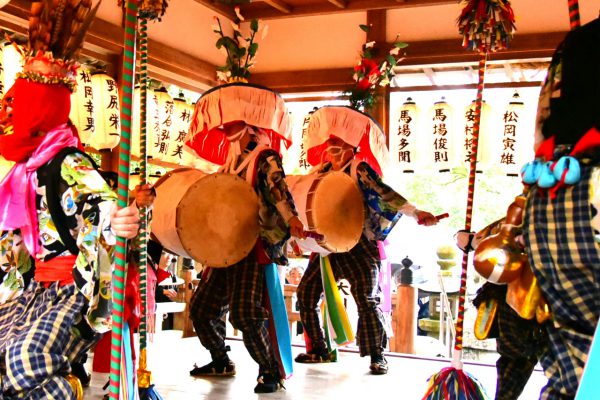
x: 465, y: 148
x: 11, y: 65
x: 107, y: 131
x: 404, y: 146
x: 511, y: 142
x: 136, y: 126
x: 82, y: 106
x: 181, y: 118
x: 160, y: 121
x: 440, y: 144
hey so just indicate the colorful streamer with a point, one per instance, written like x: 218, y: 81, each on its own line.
x: 278, y: 321
x: 338, y: 317
x: 120, y: 273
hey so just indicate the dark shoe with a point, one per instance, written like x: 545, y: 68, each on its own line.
x: 378, y: 364
x: 268, y: 383
x: 78, y: 369
x: 215, y: 368
x: 314, y: 357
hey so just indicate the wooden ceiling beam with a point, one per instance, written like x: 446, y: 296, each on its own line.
x: 257, y: 10
x: 222, y: 9
x: 338, y: 3
x: 280, y: 5
x: 105, y: 38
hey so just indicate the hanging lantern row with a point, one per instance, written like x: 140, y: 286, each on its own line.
x: 443, y: 145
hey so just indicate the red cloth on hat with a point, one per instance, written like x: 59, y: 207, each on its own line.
x: 37, y: 108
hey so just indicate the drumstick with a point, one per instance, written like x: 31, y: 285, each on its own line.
x: 437, y: 217
x: 314, y: 235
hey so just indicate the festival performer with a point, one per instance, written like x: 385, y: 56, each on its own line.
x: 519, y: 341
x: 240, y: 126
x: 344, y: 139
x: 560, y: 219
x: 56, y: 213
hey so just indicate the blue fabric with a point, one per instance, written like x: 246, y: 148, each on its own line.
x: 279, y: 318
x: 588, y: 387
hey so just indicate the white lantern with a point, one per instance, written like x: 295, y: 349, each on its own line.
x: 136, y: 125
x: 11, y: 64
x: 160, y: 122
x: 484, y: 157
x: 441, y: 139
x: 82, y: 106
x: 182, y: 116
x: 106, y: 113
x: 512, y: 142
x: 404, y: 146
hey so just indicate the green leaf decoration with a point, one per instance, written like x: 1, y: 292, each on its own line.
x: 365, y: 28
x: 252, y: 49
x: 401, y: 45
x: 254, y: 25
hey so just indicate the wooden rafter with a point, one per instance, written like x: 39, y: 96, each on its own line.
x: 256, y: 9
x: 338, y: 3
x: 220, y: 8
x: 279, y: 5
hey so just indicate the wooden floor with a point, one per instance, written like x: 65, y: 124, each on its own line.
x: 171, y: 358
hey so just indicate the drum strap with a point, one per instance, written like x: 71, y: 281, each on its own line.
x: 353, y: 168
x: 250, y: 163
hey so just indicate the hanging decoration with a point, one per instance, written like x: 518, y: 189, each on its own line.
x: 441, y: 142
x: 486, y: 25
x: 106, y: 112
x: 82, y: 106
x: 404, y: 144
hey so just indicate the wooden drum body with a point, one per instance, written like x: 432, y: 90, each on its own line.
x: 331, y: 205
x: 212, y: 219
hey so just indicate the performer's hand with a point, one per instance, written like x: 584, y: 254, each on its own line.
x: 171, y: 294
x: 426, y: 218
x: 296, y: 227
x: 144, y: 195
x: 125, y: 222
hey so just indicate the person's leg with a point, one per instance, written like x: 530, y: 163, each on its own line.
x: 246, y: 313
x: 518, y: 343
x: 309, y: 295
x: 360, y: 266
x: 207, y: 308
x: 36, y: 358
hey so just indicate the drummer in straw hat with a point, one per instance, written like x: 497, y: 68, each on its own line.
x: 345, y: 139
x: 240, y: 127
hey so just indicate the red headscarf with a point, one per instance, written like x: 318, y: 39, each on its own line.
x: 36, y: 109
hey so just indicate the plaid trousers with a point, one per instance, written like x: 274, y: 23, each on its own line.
x: 239, y: 289
x: 360, y: 266
x: 37, y: 342
x: 565, y: 258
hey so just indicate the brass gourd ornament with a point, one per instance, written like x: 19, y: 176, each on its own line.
x: 500, y: 258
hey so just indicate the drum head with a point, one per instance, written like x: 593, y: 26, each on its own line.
x: 217, y: 220
x: 338, y: 211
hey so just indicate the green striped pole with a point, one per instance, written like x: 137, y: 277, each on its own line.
x: 120, y: 274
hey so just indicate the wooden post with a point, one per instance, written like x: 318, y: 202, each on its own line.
x: 406, y: 312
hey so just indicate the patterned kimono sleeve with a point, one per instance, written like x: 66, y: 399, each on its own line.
x: 89, y: 199
x: 16, y: 266
x: 274, y: 187
x: 386, y: 197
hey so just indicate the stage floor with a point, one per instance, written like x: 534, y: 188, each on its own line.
x: 171, y: 358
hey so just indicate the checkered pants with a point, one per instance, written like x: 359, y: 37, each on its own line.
x: 239, y: 289
x: 566, y: 262
x: 360, y: 266
x: 520, y: 343
x: 37, y: 342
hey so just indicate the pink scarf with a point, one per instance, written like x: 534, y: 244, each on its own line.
x: 17, y: 189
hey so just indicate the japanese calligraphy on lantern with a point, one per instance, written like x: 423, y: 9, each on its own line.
x: 181, y: 117
x: 303, y: 164
x: 511, y: 146
x: 404, y: 145
x: 82, y: 106
x: 441, y: 140
x: 466, y: 150
x: 161, y: 123
x: 106, y: 112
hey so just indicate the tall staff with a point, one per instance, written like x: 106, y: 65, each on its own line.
x: 486, y: 25
x: 120, y: 274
